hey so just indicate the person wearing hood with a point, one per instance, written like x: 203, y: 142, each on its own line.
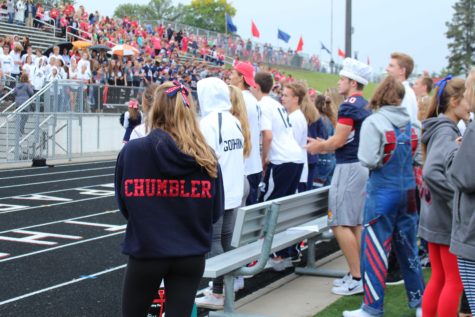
x: 222, y: 132
x: 168, y: 185
x: 390, y: 148
x: 447, y: 108
x: 461, y: 174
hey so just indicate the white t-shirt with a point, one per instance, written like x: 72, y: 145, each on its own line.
x: 300, y: 130
x: 410, y: 101
x: 16, y: 58
x: 253, y: 163
x: 230, y: 152
x: 284, y: 148
x: 7, y: 63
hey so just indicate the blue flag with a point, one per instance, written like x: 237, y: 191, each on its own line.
x: 325, y: 48
x: 230, y: 25
x: 281, y: 35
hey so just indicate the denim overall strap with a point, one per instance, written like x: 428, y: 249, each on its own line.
x: 390, y: 220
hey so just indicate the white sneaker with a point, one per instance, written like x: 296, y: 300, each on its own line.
x: 279, y: 264
x: 356, y: 313
x: 419, y: 312
x: 238, y: 285
x: 210, y: 301
x: 343, y: 280
x: 351, y: 287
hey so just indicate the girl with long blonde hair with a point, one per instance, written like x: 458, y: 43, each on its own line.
x: 238, y: 109
x: 169, y: 188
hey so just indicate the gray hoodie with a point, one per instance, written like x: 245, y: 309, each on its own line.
x: 377, y: 126
x: 438, y: 136
x: 462, y: 176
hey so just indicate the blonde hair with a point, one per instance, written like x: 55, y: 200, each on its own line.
x: 173, y: 116
x: 147, y: 102
x: 336, y: 99
x: 470, y: 88
x: 453, y: 91
x: 300, y: 91
x: 238, y: 110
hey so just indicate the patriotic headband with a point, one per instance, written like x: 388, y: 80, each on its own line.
x: 441, y: 84
x: 177, y: 87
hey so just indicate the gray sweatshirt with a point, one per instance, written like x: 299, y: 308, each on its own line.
x: 374, y: 132
x: 438, y: 135
x: 462, y: 176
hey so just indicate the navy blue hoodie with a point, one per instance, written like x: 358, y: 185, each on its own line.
x: 170, y: 201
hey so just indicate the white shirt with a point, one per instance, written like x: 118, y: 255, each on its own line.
x: 15, y: 58
x: 56, y: 57
x: 230, y: 154
x: 410, y: 101
x: 300, y: 130
x: 138, y: 132
x: 7, y: 63
x: 284, y: 148
x: 253, y: 163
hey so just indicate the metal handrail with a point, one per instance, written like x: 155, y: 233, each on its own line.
x: 88, y: 33
x: 11, y: 92
x: 31, y: 132
x: 31, y: 100
x: 48, y: 25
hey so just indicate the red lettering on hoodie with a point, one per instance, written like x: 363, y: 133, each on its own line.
x: 127, y: 183
x: 205, y: 189
x: 173, y: 188
x: 194, y: 189
x: 139, y: 187
x: 162, y: 188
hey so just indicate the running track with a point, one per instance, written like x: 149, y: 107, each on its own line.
x: 60, y: 235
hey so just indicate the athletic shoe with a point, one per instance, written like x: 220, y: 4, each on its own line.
x: 356, y: 313
x: 279, y: 264
x: 210, y: 301
x: 394, y: 278
x: 419, y: 312
x: 351, y: 287
x: 340, y: 281
x: 238, y: 285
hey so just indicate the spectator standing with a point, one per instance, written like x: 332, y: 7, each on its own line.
x: 132, y: 118
x: 223, y: 134
x: 11, y: 10
x: 391, y: 146
x: 23, y: 92
x: 30, y: 13
x: 242, y: 76
x: 347, y: 193
x: 174, y: 150
x: 442, y: 295
x: 20, y: 12
x: 461, y: 175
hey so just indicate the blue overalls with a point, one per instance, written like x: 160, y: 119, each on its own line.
x: 390, y: 220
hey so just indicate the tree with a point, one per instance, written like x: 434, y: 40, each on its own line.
x: 461, y: 36
x: 208, y: 14
x: 154, y: 10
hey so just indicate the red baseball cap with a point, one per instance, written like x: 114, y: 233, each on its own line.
x: 247, y: 71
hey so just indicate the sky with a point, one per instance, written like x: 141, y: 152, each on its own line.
x: 415, y: 27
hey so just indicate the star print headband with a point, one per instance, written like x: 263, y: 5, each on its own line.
x: 179, y: 88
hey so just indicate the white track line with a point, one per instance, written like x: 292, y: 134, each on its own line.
x: 56, y: 181
x: 62, y: 284
x: 56, y: 191
x: 60, y: 247
x: 61, y: 221
x: 55, y: 165
x: 52, y: 205
x: 55, y: 173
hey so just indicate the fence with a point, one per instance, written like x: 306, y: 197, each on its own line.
x: 53, y: 135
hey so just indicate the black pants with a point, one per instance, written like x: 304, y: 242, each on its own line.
x: 142, y: 281
x: 254, y: 180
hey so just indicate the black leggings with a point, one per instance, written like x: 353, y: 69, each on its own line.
x: 143, y: 277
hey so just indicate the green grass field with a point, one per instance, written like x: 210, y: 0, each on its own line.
x: 321, y: 81
x: 395, y: 303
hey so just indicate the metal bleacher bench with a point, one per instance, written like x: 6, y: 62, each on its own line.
x: 268, y: 227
